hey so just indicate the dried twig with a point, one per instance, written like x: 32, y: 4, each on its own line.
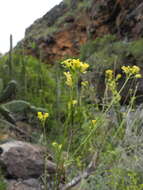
x: 90, y: 169
x: 136, y: 11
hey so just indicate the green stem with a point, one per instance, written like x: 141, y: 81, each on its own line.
x: 10, y: 57
x: 99, y: 121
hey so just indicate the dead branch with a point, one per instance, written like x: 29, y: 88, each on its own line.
x: 90, y: 169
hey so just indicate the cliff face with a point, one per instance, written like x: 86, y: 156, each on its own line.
x: 70, y: 24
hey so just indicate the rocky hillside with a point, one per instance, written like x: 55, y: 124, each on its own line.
x: 87, y: 116
x: 62, y: 31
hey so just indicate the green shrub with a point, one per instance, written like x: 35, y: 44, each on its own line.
x: 107, y: 52
x: 3, y: 184
x: 85, y: 5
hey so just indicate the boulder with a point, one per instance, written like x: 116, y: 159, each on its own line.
x: 23, y: 160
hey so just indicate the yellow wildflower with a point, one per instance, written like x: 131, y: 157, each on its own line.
x: 138, y: 76
x: 93, y: 121
x: 126, y: 69
x: 136, y: 69
x: 72, y: 103
x: 42, y: 116
x: 46, y: 115
x: 69, y: 80
x: 75, y: 65
x: 131, y: 70
x: 118, y: 76
x: 112, y: 84
x: 67, y: 63
x: 84, y: 67
x: 109, y: 74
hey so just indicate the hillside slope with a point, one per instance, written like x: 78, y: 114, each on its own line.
x: 70, y: 24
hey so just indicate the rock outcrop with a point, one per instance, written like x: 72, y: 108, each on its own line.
x: 62, y: 31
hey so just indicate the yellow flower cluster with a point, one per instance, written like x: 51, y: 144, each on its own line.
x: 72, y: 103
x: 69, y: 80
x: 132, y: 71
x: 42, y: 116
x: 112, y: 83
x: 76, y: 65
x: 93, y: 121
x: 109, y: 74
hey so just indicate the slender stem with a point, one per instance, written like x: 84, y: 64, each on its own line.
x: 10, y: 57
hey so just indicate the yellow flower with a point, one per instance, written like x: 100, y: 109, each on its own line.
x: 75, y: 65
x: 131, y: 70
x: 93, y: 121
x: 109, y: 74
x: 118, y: 76
x: 111, y: 83
x: 138, y: 76
x: 69, y: 80
x: 42, y: 116
x: 84, y: 67
x: 125, y: 69
x: 46, y: 115
x: 67, y: 63
x: 72, y: 103
x: 136, y: 69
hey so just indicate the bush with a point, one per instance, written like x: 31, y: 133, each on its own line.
x: 106, y: 52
